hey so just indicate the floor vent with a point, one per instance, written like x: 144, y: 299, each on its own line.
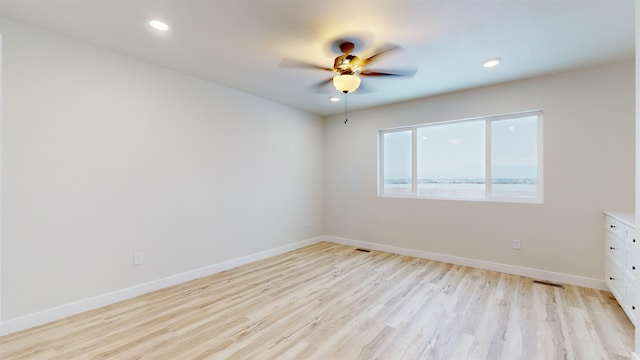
x: 363, y: 250
x: 547, y: 283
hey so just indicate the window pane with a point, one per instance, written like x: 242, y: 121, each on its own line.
x: 451, y: 160
x: 397, y: 163
x: 514, y: 158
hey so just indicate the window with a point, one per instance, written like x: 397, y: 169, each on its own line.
x: 398, y: 156
x: 454, y: 159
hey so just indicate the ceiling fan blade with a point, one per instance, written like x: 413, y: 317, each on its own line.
x: 318, y: 87
x: 297, y: 64
x: 363, y: 89
x: 402, y: 72
x: 384, y: 51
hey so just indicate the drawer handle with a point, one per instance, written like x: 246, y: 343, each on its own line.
x: 634, y: 240
x: 611, y: 278
x: 612, y: 248
x: 633, y: 268
x: 633, y: 307
x: 612, y: 226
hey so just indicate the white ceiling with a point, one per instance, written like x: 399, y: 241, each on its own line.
x: 241, y: 43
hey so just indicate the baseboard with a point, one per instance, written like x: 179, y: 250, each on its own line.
x: 481, y: 264
x: 46, y: 316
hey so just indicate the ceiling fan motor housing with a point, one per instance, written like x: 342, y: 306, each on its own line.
x: 347, y: 64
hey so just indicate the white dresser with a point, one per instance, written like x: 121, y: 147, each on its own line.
x: 621, y: 261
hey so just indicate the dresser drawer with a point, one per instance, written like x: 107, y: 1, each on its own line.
x: 615, y: 282
x: 631, y: 251
x: 630, y: 305
x: 614, y: 226
x: 615, y: 250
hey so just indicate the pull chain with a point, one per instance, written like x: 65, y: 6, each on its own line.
x: 346, y: 111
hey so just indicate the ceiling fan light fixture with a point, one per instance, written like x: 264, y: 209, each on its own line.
x: 346, y: 83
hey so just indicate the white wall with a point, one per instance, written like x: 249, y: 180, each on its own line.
x: 588, y: 168
x: 104, y: 155
x: 1, y: 113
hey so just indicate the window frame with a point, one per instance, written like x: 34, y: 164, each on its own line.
x: 488, y: 196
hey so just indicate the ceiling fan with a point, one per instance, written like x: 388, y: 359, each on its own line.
x: 349, y: 68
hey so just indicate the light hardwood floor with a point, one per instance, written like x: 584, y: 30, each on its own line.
x: 329, y: 301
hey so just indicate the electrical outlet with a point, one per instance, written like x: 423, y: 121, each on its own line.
x: 138, y: 258
x: 516, y: 244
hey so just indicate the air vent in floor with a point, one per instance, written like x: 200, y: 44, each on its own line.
x: 547, y: 283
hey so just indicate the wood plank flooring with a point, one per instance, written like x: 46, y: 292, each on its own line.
x: 330, y: 301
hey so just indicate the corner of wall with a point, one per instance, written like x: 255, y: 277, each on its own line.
x: 1, y: 167
x: 637, y: 172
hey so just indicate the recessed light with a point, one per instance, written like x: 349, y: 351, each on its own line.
x: 491, y: 62
x: 159, y: 25
x: 334, y: 99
